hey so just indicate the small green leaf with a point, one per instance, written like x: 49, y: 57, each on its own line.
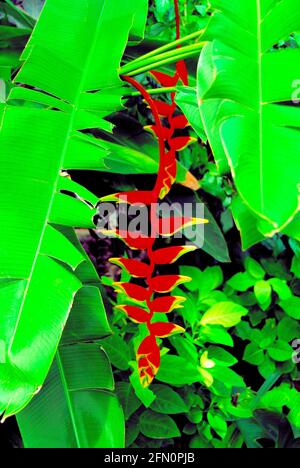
x: 158, y: 426
x: 128, y: 398
x: 288, y: 329
x: 216, y: 334
x: 291, y: 306
x: 253, y: 354
x: 167, y: 400
x: 241, y: 282
x: 175, y: 370
x: 227, y: 314
x: 227, y: 376
x: 281, y: 288
x: 218, y: 423
x: 263, y: 292
x: 221, y: 356
x: 254, y: 268
x: 117, y: 351
x: 280, y: 351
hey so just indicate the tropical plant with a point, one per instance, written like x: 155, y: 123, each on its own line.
x: 44, y: 268
x: 248, y: 116
x: 78, y: 124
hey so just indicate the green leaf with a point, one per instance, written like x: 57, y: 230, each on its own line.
x: 288, y: 329
x: 209, y: 236
x: 281, y: 288
x: 221, y: 357
x: 267, y: 367
x: 249, y: 122
x: 44, y: 141
x: 280, y: 351
x: 79, y: 397
x: 158, y: 426
x: 186, y: 99
x: 263, y: 292
x: 291, y: 306
x: 254, y: 268
x: 253, y: 354
x: 227, y: 377
x: 118, y: 351
x: 167, y: 400
x: 227, y: 314
x: 217, y: 335
x: 175, y: 370
x: 246, y: 222
x: 241, y: 282
x: 217, y: 423
x: 128, y: 398
x: 204, y: 281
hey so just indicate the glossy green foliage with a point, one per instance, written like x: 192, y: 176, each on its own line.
x: 76, y: 84
x: 78, y: 389
x: 225, y: 381
x: 246, y: 83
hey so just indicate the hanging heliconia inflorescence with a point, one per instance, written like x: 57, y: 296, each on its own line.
x: 155, y: 296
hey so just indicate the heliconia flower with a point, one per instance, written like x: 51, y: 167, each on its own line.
x: 135, y: 268
x: 166, y: 304
x: 132, y: 198
x: 148, y: 357
x: 166, y: 283
x: 134, y: 240
x: 164, y: 109
x: 134, y: 291
x: 164, y: 79
x: 161, y: 132
x: 170, y: 226
x: 179, y: 122
x: 180, y: 143
x: 148, y: 354
x: 136, y: 314
x: 163, y: 330
x: 167, y: 174
x: 170, y: 255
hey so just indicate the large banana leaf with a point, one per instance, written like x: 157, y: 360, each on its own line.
x: 245, y: 87
x: 78, y: 389
x: 73, y: 58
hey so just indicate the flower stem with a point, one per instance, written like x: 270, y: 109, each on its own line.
x: 162, y: 90
x: 132, y: 69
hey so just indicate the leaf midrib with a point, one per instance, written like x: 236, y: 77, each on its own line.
x: 260, y: 101
x: 68, y: 398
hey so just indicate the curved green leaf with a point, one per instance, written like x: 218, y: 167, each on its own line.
x: 247, y: 114
x: 42, y: 268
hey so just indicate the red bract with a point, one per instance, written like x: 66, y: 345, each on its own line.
x: 136, y: 314
x: 138, y: 293
x: 148, y: 353
x: 163, y: 330
x: 166, y: 304
x: 165, y: 284
x: 133, y: 267
x: 148, y: 357
x: 170, y: 226
x: 170, y: 255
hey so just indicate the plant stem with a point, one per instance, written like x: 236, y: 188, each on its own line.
x: 170, y: 45
x: 155, y: 65
x: 168, y: 57
x: 153, y: 91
